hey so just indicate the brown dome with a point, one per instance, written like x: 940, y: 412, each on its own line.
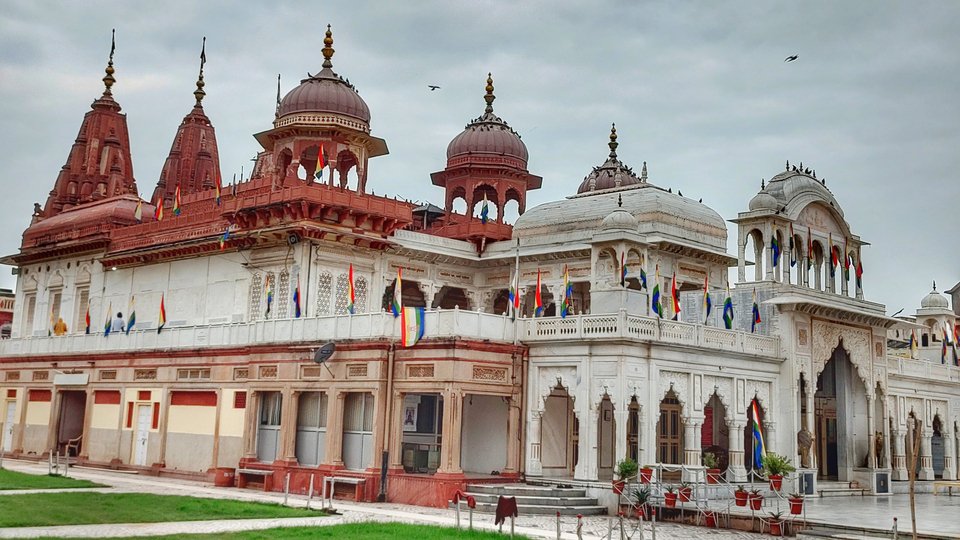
x: 488, y: 134
x: 613, y: 173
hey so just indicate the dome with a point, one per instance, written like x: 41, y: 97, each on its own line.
x: 488, y: 134
x: 613, y: 173
x: 325, y: 92
x: 619, y: 219
x: 934, y: 300
x: 763, y: 201
x: 794, y: 190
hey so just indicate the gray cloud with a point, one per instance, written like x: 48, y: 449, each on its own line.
x: 697, y: 90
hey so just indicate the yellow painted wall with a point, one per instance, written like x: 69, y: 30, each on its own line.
x: 19, y: 403
x: 191, y: 419
x: 38, y: 413
x: 231, y: 420
x: 105, y: 416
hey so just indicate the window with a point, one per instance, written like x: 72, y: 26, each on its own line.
x: 670, y: 431
x: 193, y: 374
x: 422, y: 427
x: 270, y: 409
x: 80, y: 315
x: 256, y: 292
x: 358, y: 430
x: 311, y: 428
x: 268, y: 432
x: 30, y: 306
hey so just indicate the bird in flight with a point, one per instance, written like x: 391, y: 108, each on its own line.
x: 433, y: 87
x: 791, y: 58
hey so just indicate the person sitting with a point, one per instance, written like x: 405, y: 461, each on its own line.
x: 118, y: 323
x: 60, y: 328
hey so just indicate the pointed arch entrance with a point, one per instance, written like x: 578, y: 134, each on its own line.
x: 840, y: 418
x: 606, y: 439
x: 714, y: 433
x: 670, y: 434
x: 754, y: 437
x: 559, y: 435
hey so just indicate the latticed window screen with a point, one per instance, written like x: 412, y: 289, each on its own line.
x: 360, y: 283
x: 342, y: 294
x: 272, y: 278
x: 283, y: 295
x: 324, y: 288
x: 256, y: 294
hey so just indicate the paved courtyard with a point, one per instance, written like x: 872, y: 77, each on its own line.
x: 935, y: 514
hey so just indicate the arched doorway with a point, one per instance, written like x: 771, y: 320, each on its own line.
x: 670, y: 434
x: 937, y: 448
x: 633, y: 429
x: 606, y: 439
x: 754, y: 437
x: 840, y: 412
x: 714, y: 433
x: 559, y: 435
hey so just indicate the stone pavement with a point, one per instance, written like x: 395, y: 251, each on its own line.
x: 533, y: 526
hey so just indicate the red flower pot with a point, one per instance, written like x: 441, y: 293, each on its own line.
x: 713, y: 476
x: 740, y: 497
x: 618, y: 486
x: 646, y: 475
x: 711, y: 519
x: 776, y: 482
x: 796, y: 506
x: 670, y: 499
x: 639, y: 511
x: 685, y: 494
x: 756, y: 501
x: 776, y: 528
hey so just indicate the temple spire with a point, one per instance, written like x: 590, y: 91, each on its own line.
x: 327, y: 49
x: 199, y: 93
x: 613, y: 141
x: 489, y: 97
x: 277, y: 111
x: 108, y: 79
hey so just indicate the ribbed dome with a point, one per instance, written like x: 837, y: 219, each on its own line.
x: 613, y: 173
x: 325, y: 92
x: 619, y: 219
x: 934, y: 300
x: 488, y: 134
x: 763, y: 201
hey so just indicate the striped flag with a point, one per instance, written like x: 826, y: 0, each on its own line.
x: 728, y: 310
x: 859, y: 274
x: 351, y: 293
x: 514, y: 295
x: 106, y: 325
x: 87, y: 318
x: 162, y: 318
x: 846, y: 261
x: 158, y: 212
x: 567, y: 303
x: 775, y: 246
x: 397, y: 304
x: 485, y: 210
x: 643, y: 278
x: 913, y: 344
x: 707, y: 302
x: 296, y: 299
x: 793, y: 249
x: 411, y: 325
x: 133, y: 317
x: 321, y: 163
x: 755, y: 318
x: 759, y: 448
x: 224, y: 237
x: 176, y: 201
x: 218, y: 187
x: 538, y: 299
x: 656, y: 304
x: 675, y: 296
x: 268, y: 286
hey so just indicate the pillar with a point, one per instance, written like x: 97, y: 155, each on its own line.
x: 770, y: 436
x: 844, y: 283
x: 871, y: 430
x: 620, y: 433
x: 742, y: 261
x: 735, y: 469
x: 949, y: 462
x: 87, y: 417
x: 691, y: 452
x: 899, y: 454
x: 926, y: 457
x: 513, y: 435
x: 887, y: 461
x: 534, y: 465
x: 250, y: 419
x: 335, y: 428
x: 395, y: 444
x: 758, y: 261
x: 288, y: 427
x: 811, y: 419
x: 450, y: 438
x: 641, y: 440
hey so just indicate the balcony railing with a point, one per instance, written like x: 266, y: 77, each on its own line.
x: 923, y: 369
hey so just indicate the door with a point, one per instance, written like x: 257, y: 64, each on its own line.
x: 144, y: 421
x: 8, y: 426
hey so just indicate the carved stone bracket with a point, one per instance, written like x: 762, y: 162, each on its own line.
x: 680, y: 384
x: 721, y: 386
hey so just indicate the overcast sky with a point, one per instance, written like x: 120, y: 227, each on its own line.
x: 699, y: 91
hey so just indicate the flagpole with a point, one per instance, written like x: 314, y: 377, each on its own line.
x: 516, y: 316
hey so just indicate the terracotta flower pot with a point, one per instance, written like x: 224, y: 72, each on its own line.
x: 646, y: 475
x: 670, y: 499
x: 756, y: 501
x: 711, y: 519
x: 713, y: 476
x: 776, y: 528
x: 618, y: 486
x: 796, y: 505
x: 639, y: 511
x: 776, y: 482
x: 740, y: 497
x: 685, y: 494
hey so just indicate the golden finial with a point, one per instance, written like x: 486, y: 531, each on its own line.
x: 199, y: 93
x: 489, y: 97
x: 328, y: 49
x: 108, y: 79
x: 613, y: 141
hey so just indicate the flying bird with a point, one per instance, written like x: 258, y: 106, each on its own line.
x: 433, y: 87
x: 897, y: 313
x: 791, y: 58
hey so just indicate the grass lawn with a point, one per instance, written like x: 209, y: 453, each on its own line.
x: 18, y: 480
x: 353, y: 531
x: 40, y: 509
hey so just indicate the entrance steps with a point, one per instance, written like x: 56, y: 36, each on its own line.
x: 840, y: 489
x: 538, y: 500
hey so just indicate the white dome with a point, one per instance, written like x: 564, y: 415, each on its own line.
x: 934, y: 300
x: 763, y: 201
x: 620, y: 219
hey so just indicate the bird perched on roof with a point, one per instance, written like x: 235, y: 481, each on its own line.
x: 433, y: 87
x: 791, y: 58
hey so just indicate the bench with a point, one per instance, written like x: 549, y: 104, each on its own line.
x: 266, y: 476
x: 329, y: 485
x: 949, y: 484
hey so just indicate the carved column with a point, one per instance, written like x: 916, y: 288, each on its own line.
x: 810, y: 425
x: 250, y: 421
x: 770, y: 436
x: 899, y: 454
x: 735, y: 469
x: 926, y: 457
x: 641, y: 441
x: 513, y: 435
x: 450, y: 443
x: 534, y: 465
x: 844, y: 283
x: 288, y: 426
x: 691, y: 452
x: 620, y: 433
x: 87, y: 418
x: 758, y: 261
x: 396, y: 432
x: 335, y: 428
x: 871, y: 430
x: 949, y: 462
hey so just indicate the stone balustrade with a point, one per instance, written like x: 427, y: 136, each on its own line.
x: 908, y: 367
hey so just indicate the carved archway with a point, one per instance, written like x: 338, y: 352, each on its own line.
x: 854, y: 341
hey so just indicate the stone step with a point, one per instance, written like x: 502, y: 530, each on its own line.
x: 546, y: 510
x: 843, y: 492
x: 491, y: 498
x: 513, y: 490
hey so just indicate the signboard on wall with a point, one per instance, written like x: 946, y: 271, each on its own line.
x: 410, y: 406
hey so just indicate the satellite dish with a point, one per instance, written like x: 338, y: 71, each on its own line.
x: 324, y: 353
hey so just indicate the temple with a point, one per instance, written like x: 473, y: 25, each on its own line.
x: 485, y: 378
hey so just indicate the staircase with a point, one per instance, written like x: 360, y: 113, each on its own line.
x: 541, y: 500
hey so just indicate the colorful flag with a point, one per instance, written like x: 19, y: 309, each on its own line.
x: 809, y: 249
x: 158, y: 213
x: 913, y: 344
x: 538, y: 299
x: 859, y: 274
x: 775, y: 245
x: 759, y: 448
x: 728, y: 310
x: 296, y: 299
x: 567, y: 301
x: 138, y: 213
x: 656, y: 304
x: 755, y: 318
x: 943, y: 347
x: 321, y: 163
x: 643, y: 278
x: 623, y: 269
x: 793, y: 249
x: 846, y: 261
x: 268, y: 286
x: 87, y: 318
x: 833, y: 257
x: 133, y: 317
x: 675, y: 294
x: 162, y: 318
x: 411, y: 325
x: 106, y: 325
x: 514, y: 295
x: 484, y: 210
x: 397, y: 305
x: 707, y: 303
x: 224, y: 237
x: 176, y: 201
x: 218, y: 187
x: 351, y: 293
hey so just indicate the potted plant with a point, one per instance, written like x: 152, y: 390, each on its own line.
x: 710, y: 518
x: 776, y: 466
x: 740, y: 496
x: 642, y: 497
x: 685, y: 492
x: 796, y: 503
x: 626, y: 469
x: 670, y: 497
x: 755, y: 498
x: 776, y: 524
x: 711, y: 462
x: 646, y: 474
